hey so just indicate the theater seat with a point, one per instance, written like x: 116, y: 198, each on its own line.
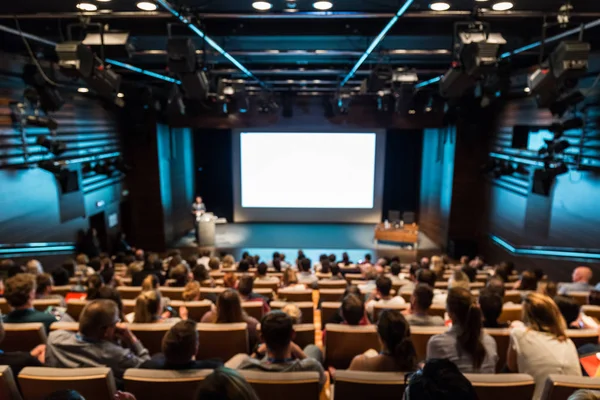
x: 512, y: 296
x: 150, y: 335
x: 330, y: 295
x: 560, y: 387
x: 156, y: 384
x: 378, y: 308
x: 583, y: 336
x: 128, y: 306
x: 502, y: 386
x: 502, y: 338
x: 283, y: 385
x: 23, y: 337
x: 129, y: 292
x: 61, y: 290
x: 271, y: 285
x: 337, y: 284
x: 406, y: 295
x: 306, y: 307
x: 421, y: 335
x: 65, y: 326
x: 437, y: 310
x: 268, y: 293
x: 43, y: 304
x: 580, y: 298
x: 591, y: 311
x: 196, y: 309
x: 173, y: 293
x: 359, y: 385
x: 222, y: 341
x: 305, y: 334
x: 294, y: 296
x: 4, y: 307
x: 92, y: 383
x: 75, y: 307
x: 511, y: 312
x: 8, y: 386
x: 210, y: 291
x: 328, y: 310
x: 343, y: 342
x: 253, y: 309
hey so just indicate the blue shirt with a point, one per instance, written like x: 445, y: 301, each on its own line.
x: 30, y: 315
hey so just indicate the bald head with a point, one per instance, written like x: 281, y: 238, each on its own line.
x: 582, y: 274
x: 98, y: 318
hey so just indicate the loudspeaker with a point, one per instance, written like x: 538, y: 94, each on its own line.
x: 520, y: 137
x: 181, y: 55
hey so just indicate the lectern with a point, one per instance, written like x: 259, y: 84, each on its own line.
x: 206, y: 229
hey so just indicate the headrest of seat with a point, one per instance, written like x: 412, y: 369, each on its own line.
x: 500, y: 380
x: 236, y: 326
x: 280, y: 377
x: 65, y: 373
x: 166, y: 375
x: 375, y: 378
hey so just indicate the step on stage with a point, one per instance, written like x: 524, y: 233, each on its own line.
x: 314, y: 239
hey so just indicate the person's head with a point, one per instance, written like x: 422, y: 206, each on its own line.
x: 345, y: 258
x: 334, y: 269
x: 198, y: 199
x: 98, y: 320
x: 44, y: 284
x: 332, y: 258
x: 192, y: 261
x: 191, y: 291
x: 180, y: 343
x: 440, y: 379
x: 568, y: 309
x: 20, y: 290
x: 501, y: 272
x: 200, y: 273
x: 540, y: 313
x: 325, y: 266
x: 424, y: 262
x: 277, y: 331
x: 180, y: 274
x: 213, y: 264
x: 353, y: 309
x: 496, y: 285
x: 352, y: 289
x: 230, y: 280
x: 395, y: 268
x: 93, y: 284
x: 60, y: 276
x: 466, y: 315
x: 509, y: 266
x: 548, y: 288
x: 229, y: 307
x: 150, y: 282
x: 421, y: 298
x: 95, y: 264
x: 436, y: 263
x: 368, y: 258
x: 82, y: 259
x: 228, y: 261
x: 276, y: 255
x: 246, y: 285
x: 394, y: 334
x: 289, y: 277
x: 34, y: 267
x: 490, y: 304
x: 243, y: 265
x: 294, y: 312
x: 426, y: 276
x: 458, y: 279
x: 148, y: 306
x: 582, y: 274
x: 528, y: 281
x: 384, y: 285
x: 65, y: 395
x: 470, y: 272
x: 108, y: 275
x: 262, y: 268
x: 305, y: 265
x: 225, y: 384
x: 139, y: 255
x: 464, y: 260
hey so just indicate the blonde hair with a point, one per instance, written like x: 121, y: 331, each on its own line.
x: 540, y: 313
x: 294, y: 312
x: 583, y: 394
x: 228, y: 261
x: 147, y: 307
x: 82, y: 259
x: 150, y: 283
x: 458, y: 279
x: 191, y: 291
x: 437, y: 262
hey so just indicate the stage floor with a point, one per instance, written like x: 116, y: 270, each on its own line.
x: 314, y: 239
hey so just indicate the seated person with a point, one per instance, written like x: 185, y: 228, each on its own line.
x: 491, y: 307
x: 60, y: 276
x: 290, y: 280
x: 149, y: 309
x: 200, y: 274
x: 191, y: 291
x: 44, y: 283
x: 92, y: 285
x: 151, y: 282
x: 409, y: 286
x: 395, y: 271
x: 223, y: 384
x: 336, y: 274
x: 496, y: 285
x: 352, y: 312
x: 527, y: 283
x: 179, y: 276
x: 17, y: 360
x: 34, y: 267
x: 19, y: 292
x: 261, y: 274
x: 81, y: 267
x: 245, y: 287
x: 294, y: 312
x: 581, y: 281
x: 570, y: 311
x: 382, y: 296
x: 456, y: 280
x: 420, y: 302
x: 282, y: 354
x: 470, y: 272
x: 440, y: 379
x: 244, y: 264
x: 95, y: 343
x: 426, y: 276
x: 306, y: 277
x: 397, y: 354
x: 179, y: 348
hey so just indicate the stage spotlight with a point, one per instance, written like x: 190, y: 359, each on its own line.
x: 479, y: 52
x: 181, y: 55
x: 55, y: 147
x: 105, y: 82
x: 75, y: 59
x: 455, y: 83
x: 570, y: 60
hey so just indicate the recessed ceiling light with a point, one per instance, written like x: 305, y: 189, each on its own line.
x: 502, y: 6
x: 83, y: 90
x: 146, y: 6
x: 527, y: 90
x: 262, y: 5
x: 323, y: 5
x: 103, y: 1
x: 86, y: 7
x: 439, y: 6
x: 120, y: 95
x: 412, y: 112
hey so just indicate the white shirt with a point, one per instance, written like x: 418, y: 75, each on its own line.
x: 394, y: 301
x: 204, y: 261
x: 540, y: 354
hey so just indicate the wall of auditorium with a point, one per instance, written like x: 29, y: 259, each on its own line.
x: 32, y: 208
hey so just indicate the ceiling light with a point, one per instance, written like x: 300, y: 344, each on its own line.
x: 86, y: 7
x: 440, y: 6
x: 412, y: 112
x: 262, y: 5
x: 502, y: 6
x: 146, y: 6
x: 323, y: 5
x: 103, y: 1
x: 120, y: 95
x: 527, y: 90
x: 83, y: 90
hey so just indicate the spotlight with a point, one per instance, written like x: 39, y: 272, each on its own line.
x: 502, y: 6
x: 83, y: 90
x: 323, y: 5
x: 120, y: 95
x: 86, y: 7
x: 55, y: 147
x: 527, y: 90
x: 146, y: 6
x: 42, y: 122
x: 262, y: 5
x: 479, y: 51
x: 439, y: 6
x: 105, y: 82
x: 291, y: 5
x: 570, y: 60
x: 181, y: 55
x: 75, y: 59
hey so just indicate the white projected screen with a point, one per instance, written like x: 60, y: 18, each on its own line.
x: 307, y: 170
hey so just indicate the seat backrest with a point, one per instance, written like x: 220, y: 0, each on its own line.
x: 173, y: 293
x: 129, y: 292
x: 305, y: 334
x: 580, y: 298
x: 65, y: 326
x: 8, y: 386
x: 268, y: 293
x: 196, y: 309
x: 253, y: 309
x: 288, y: 385
x: 295, y: 296
x: 591, y: 311
x: 378, y: 308
x: 328, y: 310
x: 272, y: 285
x: 339, y: 284
x: 151, y: 335
x: 306, y: 307
x: 159, y: 384
x: 331, y: 294
x: 75, y: 307
x: 222, y: 341
x: 560, y: 387
x: 437, y: 310
x: 502, y: 338
x: 512, y: 296
x: 128, y: 306
x: 406, y: 295
x: 511, y: 312
x: 92, y: 383
x: 210, y: 291
x: 353, y: 277
x: 23, y: 337
x: 421, y: 335
x: 61, y: 290
x: 359, y: 385
x: 4, y: 307
x: 43, y: 304
x: 502, y: 386
x: 582, y: 336
x: 343, y: 342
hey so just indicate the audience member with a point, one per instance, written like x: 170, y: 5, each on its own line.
x: 420, y: 302
x: 108, y: 276
x: 44, y: 284
x: 81, y: 267
x: 382, y: 296
x: 548, y: 288
x: 200, y: 274
x: 294, y: 312
x: 228, y: 262
x: 214, y: 264
x: 426, y: 276
x: 93, y: 284
x: 465, y: 343
x: 246, y: 287
x: 152, y: 266
x: 60, y: 276
x: 569, y: 309
x: 204, y: 258
x: 306, y: 277
x: 261, y: 274
x: 581, y: 281
x: 353, y: 311
x: 180, y: 275
x: 496, y: 285
x: 470, y: 272
x: 225, y: 384
x: 19, y: 292
x: 34, y: 267
x: 345, y: 260
x: 397, y: 353
x: 230, y: 280
x: 95, y: 343
x: 440, y: 379
x: 491, y: 308
x: 110, y: 293
x: 150, y: 282
x: 541, y: 347
x: 527, y: 283
x: 179, y: 348
x: 148, y: 309
x: 325, y: 266
x: 458, y: 279
x: 191, y: 291
x: 412, y: 277
x: 336, y: 273
x: 243, y: 265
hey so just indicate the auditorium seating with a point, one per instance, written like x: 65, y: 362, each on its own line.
x: 353, y: 277
x: 253, y: 309
x: 358, y: 385
x: 330, y: 295
x: 406, y: 296
x: 150, y: 335
x: 591, y: 311
x: 74, y: 308
x: 128, y: 306
x: 65, y: 326
x: 196, y: 309
x: 378, y: 308
x: 512, y: 296
x: 210, y: 291
x: 8, y: 387
x: 23, y: 337
x: 420, y: 336
x: 154, y: 384
x: 92, y: 383
x: 305, y: 334
x: 222, y: 341
x: 129, y: 292
x: 437, y: 310
x: 322, y: 276
x: 343, y: 342
x: 328, y: 310
x: 583, y: 336
x: 173, y: 293
x: 43, y: 304
x: 340, y: 284
x: 306, y: 307
x: 502, y: 386
x: 294, y: 295
x: 268, y: 293
x: 272, y: 285
x: 61, y: 290
x: 289, y: 385
x: 580, y: 298
x: 560, y: 387
x: 511, y: 312
x: 4, y: 307
x: 502, y: 338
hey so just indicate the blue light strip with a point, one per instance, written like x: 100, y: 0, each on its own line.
x: 375, y: 42
x: 517, y: 159
x: 142, y: 71
x: 33, y: 248
x: 542, y: 251
x: 429, y: 82
x: 211, y: 42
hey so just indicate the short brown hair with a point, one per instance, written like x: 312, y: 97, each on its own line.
x: 43, y: 282
x: 18, y: 289
x: 423, y: 296
x: 180, y: 342
x: 213, y: 263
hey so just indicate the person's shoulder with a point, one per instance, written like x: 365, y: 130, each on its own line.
x: 207, y: 364
x: 518, y: 332
x: 310, y: 364
x: 60, y: 335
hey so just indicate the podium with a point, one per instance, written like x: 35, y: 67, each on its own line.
x: 206, y: 228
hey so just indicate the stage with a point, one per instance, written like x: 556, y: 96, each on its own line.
x: 314, y: 239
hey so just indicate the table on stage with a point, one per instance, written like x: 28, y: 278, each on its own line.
x: 404, y: 234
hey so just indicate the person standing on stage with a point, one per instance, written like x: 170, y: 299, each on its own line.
x: 198, y: 208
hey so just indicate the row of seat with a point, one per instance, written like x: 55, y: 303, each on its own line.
x: 99, y: 384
